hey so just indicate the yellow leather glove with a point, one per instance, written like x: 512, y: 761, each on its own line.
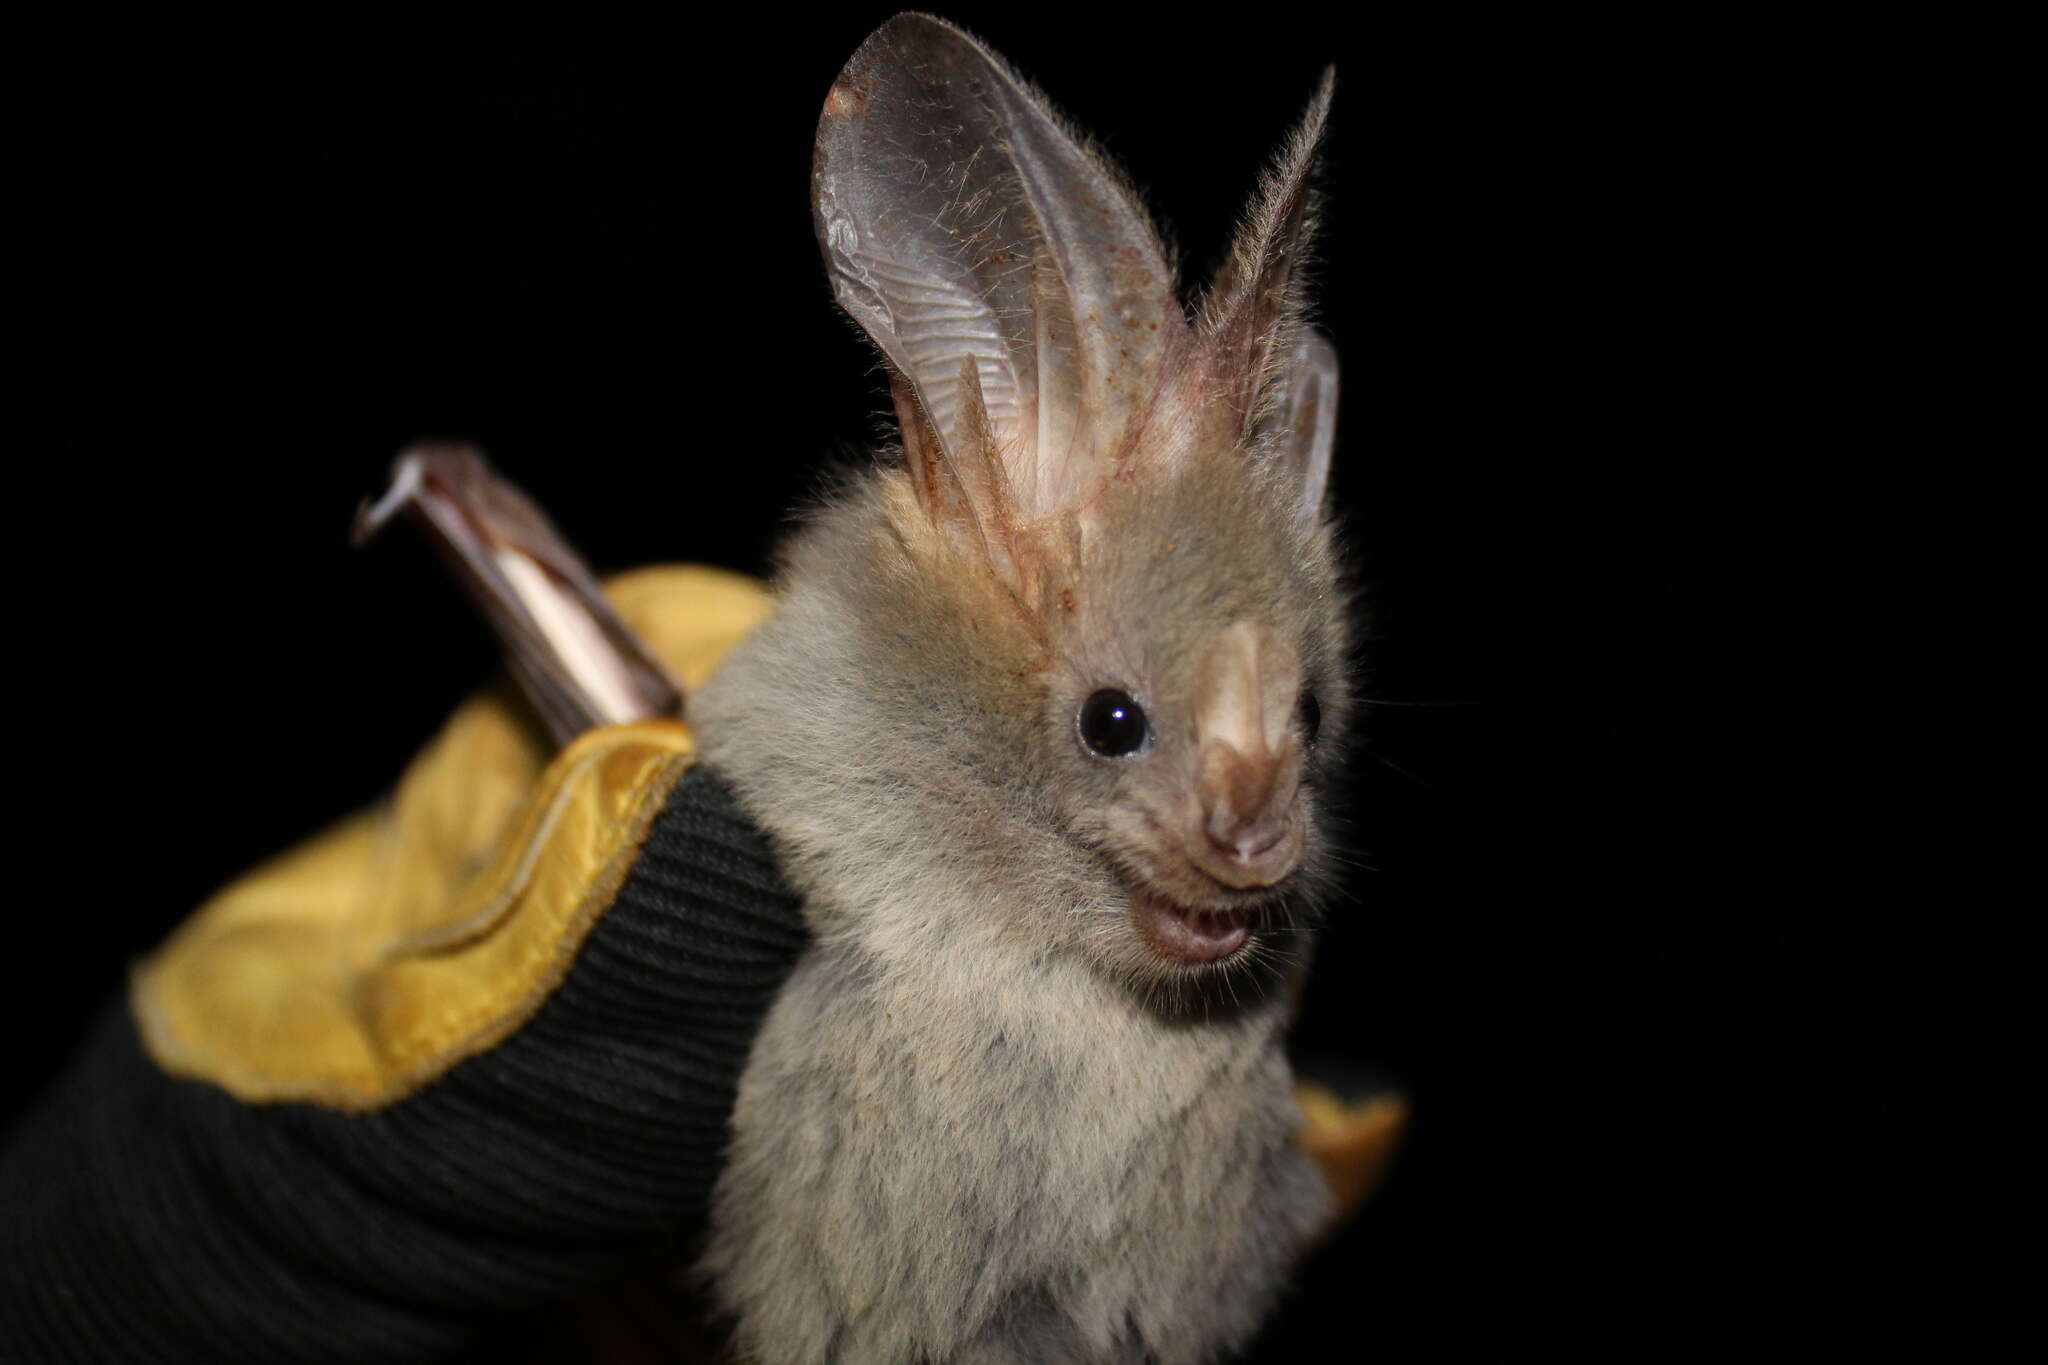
x: 364, y: 963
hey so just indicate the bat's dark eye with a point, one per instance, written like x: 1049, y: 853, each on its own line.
x: 1311, y: 716
x: 1112, y: 723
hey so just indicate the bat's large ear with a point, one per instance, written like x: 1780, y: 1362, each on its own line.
x: 1016, y: 289
x: 1281, y: 374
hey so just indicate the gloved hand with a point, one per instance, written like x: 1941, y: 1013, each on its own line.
x: 448, y: 1061
x: 451, y: 1061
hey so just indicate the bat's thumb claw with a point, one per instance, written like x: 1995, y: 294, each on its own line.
x: 372, y: 515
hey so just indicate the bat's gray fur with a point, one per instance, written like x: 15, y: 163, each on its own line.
x: 990, y: 1119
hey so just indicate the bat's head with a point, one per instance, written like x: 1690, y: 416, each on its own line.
x: 1089, y: 635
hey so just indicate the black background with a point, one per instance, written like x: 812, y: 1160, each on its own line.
x: 1670, y: 360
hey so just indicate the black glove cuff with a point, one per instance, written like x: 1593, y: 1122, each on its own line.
x: 148, y: 1218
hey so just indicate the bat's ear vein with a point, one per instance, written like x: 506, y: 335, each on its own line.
x: 1305, y: 431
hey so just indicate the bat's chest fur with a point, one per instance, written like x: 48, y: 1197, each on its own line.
x: 1009, y: 1164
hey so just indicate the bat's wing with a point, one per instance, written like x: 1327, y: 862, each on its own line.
x: 577, y: 662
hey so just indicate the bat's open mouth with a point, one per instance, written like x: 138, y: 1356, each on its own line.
x: 1187, y: 934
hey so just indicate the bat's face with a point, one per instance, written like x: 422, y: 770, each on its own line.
x: 1194, y: 700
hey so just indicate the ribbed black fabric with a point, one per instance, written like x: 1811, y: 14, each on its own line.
x: 149, y: 1219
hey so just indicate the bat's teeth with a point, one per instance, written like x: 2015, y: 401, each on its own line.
x: 1192, y: 935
